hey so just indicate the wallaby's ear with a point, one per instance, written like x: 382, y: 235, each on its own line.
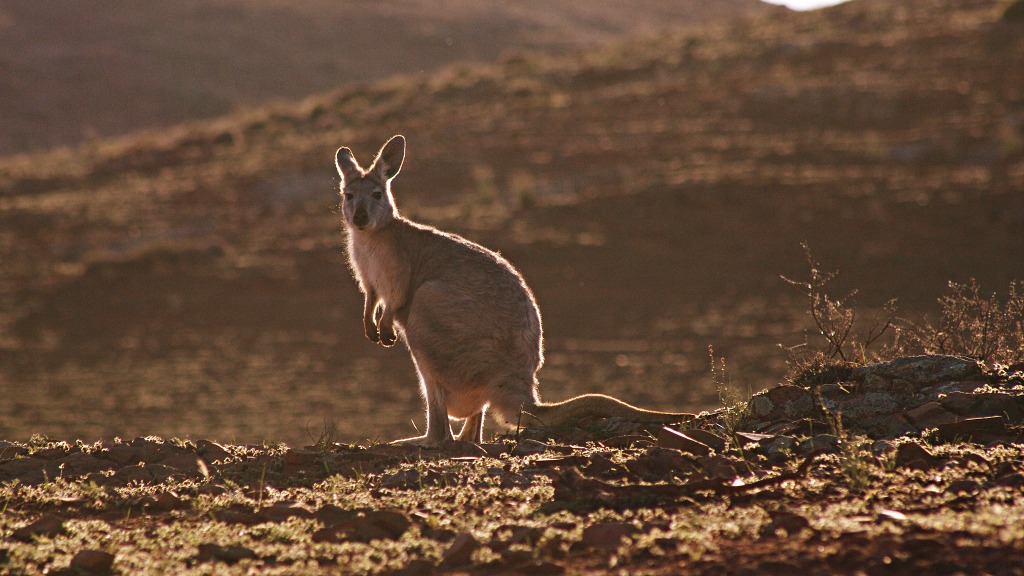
x: 347, y: 165
x: 389, y: 159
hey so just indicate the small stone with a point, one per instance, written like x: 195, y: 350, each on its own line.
x: 166, y: 501
x: 921, y: 370
x: 189, y: 464
x: 826, y: 442
x: 47, y: 526
x: 883, y: 447
x: 526, y: 447
x: 777, y: 445
x: 460, y: 552
x: 979, y: 429
x: 929, y: 415
x: 282, y: 511
x: 122, y: 454
x: 670, y: 438
x: 719, y: 467
x: 332, y: 515
x: 92, y: 562
x: 784, y: 523
x: 135, y: 473
x: 226, y: 554
x: 704, y: 437
x: 212, y: 452
x: 606, y: 535
x: 785, y: 401
x: 911, y: 455
x: 393, y: 522
x: 300, y: 457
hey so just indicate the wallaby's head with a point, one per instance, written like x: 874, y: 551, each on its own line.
x: 366, y: 198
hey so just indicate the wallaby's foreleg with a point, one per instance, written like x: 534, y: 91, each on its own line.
x: 378, y: 328
x: 473, y: 429
x: 369, y: 315
x: 386, y: 326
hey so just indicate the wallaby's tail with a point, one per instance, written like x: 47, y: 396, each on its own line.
x: 596, y: 406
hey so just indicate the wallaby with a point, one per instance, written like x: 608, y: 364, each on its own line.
x: 466, y: 315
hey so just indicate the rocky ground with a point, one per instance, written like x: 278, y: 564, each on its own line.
x: 910, y: 466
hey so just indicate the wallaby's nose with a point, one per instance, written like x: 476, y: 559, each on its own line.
x: 361, y: 218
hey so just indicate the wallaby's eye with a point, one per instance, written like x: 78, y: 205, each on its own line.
x: 377, y: 195
x: 348, y: 195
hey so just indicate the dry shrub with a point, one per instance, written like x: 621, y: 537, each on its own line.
x: 974, y: 325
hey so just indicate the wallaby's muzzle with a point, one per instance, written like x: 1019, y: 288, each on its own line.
x: 361, y: 218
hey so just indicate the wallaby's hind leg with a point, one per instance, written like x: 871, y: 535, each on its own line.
x: 473, y: 429
x: 438, y: 427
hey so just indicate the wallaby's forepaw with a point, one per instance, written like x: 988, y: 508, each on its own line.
x: 387, y: 337
x: 371, y: 334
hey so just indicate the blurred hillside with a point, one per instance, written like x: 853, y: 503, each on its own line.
x: 193, y: 282
x: 75, y: 71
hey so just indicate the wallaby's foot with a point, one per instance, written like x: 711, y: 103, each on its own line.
x: 415, y: 441
x: 421, y: 441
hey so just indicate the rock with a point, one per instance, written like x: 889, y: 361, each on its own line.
x: 460, y: 552
x: 920, y: 370
x: 9, y: 450
x: 282, y: 511
x: 211, y: 452
x: 785, y: 401
x: 882, y: 448
x: 331, y: 515
x: 20, y: 466
x: 826, y: 442
x: 226, y: 554
x: 784, y: 524
x: 526, y: 447
x: 746, y: 438
x: 884, y: 426
x: 719, y: 467
x: 704, y: 437
x: 914, y: 456
x: 49, y: 526
x: 660, y: 462
x: 776, y: 445
x: 167, y: 501
x: 80, y: 464
x: 984, y: 404
x: 495, y: 449
x: 929, y: 415
x: 189, y: 464
x: 300, y: 457
x: 671, y: 438
x: 92, y: 562
x: 606, y: 535
x: 857, y: 408
x: 393, y: 522
x: 371, y: 525
x: 977, y: 429
x: 937, y: 391
x: 122, y: 454
x: 135, y: 473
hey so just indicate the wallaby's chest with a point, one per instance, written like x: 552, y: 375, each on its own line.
x: 380, y: 266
